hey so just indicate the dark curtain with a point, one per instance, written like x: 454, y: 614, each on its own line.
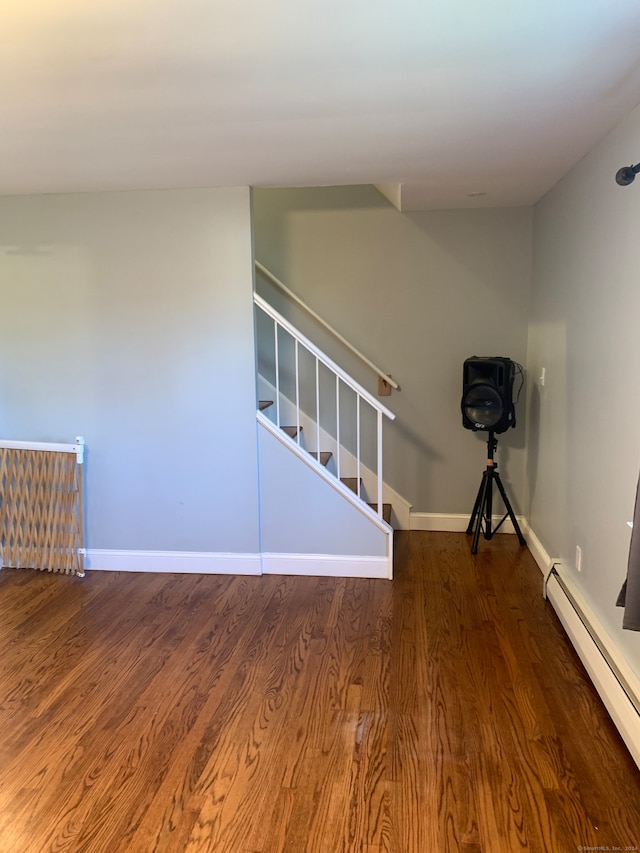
x: 629, y: 597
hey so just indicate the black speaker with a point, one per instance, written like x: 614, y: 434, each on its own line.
x: 487, y: 394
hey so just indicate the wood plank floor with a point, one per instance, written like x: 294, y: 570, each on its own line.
x: 442, y: 712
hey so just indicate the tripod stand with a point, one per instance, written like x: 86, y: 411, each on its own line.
x: 482, y: 509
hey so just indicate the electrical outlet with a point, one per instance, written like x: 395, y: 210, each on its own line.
x: 578, y: 558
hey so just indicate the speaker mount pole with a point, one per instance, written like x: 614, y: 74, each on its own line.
x: 483, y: 506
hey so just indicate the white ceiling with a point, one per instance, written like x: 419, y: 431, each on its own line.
x: 444, y: 98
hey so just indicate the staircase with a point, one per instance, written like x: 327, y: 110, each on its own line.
x: 354, y: 484
x: 334, y: 425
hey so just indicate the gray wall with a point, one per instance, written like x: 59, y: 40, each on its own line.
x: 417, y: 293
x: 583, y: 445
x: 128, y: 319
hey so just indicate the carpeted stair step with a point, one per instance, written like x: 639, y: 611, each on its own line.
x: 291, y: 431
x: 386, y: 511
x: 352, y: 483
x: 324, y: 456
x: 264, y: 404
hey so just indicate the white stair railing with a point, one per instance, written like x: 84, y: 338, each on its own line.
x: 291, y: 381
x: 269, y: 276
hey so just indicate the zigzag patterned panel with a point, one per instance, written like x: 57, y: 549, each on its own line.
x: 41, y: 510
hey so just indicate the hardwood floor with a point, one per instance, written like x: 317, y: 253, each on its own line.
x: 442, y: 712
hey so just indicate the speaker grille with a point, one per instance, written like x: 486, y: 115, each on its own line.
x: 483, y: 406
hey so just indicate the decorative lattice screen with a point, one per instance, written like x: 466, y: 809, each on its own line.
x: 41, y: 525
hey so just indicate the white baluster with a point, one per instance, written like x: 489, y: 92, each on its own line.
x: 338, y: 424
x: 277, y: 365
x: 379, y: 439
x: 318, y: 408
x: 297, y: 393
x: 358, y: 443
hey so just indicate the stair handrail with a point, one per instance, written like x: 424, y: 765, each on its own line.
x: 283, y: 287
x: 314, y: 350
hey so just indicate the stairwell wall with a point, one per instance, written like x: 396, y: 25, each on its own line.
x: 128, y: 318
x: 417, y: 293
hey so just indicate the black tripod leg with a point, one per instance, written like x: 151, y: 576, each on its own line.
x: 509, y: 509
x: 481, y: 504
x: 476, y: 506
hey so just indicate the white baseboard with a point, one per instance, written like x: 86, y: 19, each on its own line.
x: 201, y: 562
x: 400, y: 508
x: 186, y: 562
x: 326, y: 565
x: 539, y: 554
x: 454, y: 523
x: 615, y: 682
x: 597, y: 650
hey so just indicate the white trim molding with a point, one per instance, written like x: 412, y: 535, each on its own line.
x: 326, y: 565
x: 456, y: 523
x: 617, y: 685
x: 202, y: 562
x: 184, y: 562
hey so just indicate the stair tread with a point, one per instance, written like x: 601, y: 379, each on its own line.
x: 352, y: 483
x: 264, y: 404
x: 386, y: 511
x: 325, y: 455
x: 291, y: 431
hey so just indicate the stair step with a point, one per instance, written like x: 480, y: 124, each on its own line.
x: 291, y: 431
x: 386, y: 511
x: 352, y: 483
x: 264, y: 404
x: 325, y: 455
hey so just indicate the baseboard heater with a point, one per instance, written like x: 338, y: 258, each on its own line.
x: 617, y: 684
